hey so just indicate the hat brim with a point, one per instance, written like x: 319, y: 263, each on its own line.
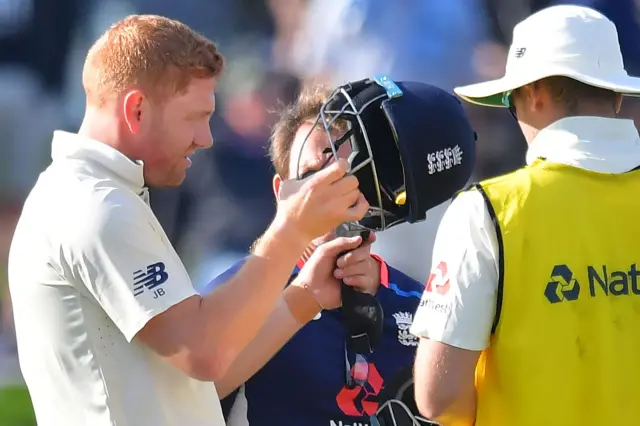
x: 490, y: 93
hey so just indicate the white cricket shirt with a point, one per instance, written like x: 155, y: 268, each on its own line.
x: 89, y: 266
x: 466, y: 248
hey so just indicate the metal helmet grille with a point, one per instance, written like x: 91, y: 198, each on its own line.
x: 341, y: 107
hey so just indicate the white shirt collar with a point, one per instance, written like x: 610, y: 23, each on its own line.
x: 604, y: 145
x: 67, y: 145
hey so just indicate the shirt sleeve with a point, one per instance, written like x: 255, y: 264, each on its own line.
x: 124, y: 259
x: 459, y: 299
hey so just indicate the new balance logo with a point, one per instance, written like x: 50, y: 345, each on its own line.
x: 519, y: 53
x: 145, y: 280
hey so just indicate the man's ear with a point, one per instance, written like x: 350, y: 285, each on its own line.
x: 277, y: 181
x: 535, y: 94
x: 133, y: 106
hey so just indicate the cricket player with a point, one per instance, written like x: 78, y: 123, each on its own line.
x: 530, y: 314
x: 305, y: 382
x: 313, y: 377
x: 110, y: 330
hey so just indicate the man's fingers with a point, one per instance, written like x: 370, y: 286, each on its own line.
x: 340, y: 244
x: 350, y: 199
x: 361, y: 268
x: 333, y: 172
x: 359, y: 209
x: 359, y: 282
x: 345, y: 185
x: 358, y: 255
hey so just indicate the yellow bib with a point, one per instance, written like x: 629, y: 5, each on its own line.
x: 566, y: 348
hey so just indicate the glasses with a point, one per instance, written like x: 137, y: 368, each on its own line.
x: 507, y: 100
x: 356, y: 374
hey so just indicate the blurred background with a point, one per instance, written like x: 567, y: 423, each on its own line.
x: 272, y: 47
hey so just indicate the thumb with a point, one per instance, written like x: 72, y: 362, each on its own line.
x: 342, y: 244
x: 289, y: 187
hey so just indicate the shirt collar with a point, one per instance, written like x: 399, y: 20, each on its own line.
x: 72, y: 146
x: 604, y: 145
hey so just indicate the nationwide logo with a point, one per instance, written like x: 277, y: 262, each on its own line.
x: 562, y: 285
x: 361, y: 400
x: 608, y: 281
x: 602, y: 280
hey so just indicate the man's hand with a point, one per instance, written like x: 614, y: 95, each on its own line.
x: 317, y: 205
x: 319, y: 273
x: 358, y: 269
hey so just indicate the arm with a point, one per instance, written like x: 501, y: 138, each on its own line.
x: 198, y: 335
x: 456, y: 312
x: 202, y: 336
x: 119, y: 244
x: 298, y: 305
x: 277, y: 331
x: 444, y: 383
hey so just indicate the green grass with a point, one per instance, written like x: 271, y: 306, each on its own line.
x: 15, y: 407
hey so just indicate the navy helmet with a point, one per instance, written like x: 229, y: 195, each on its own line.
x: 413, y: 146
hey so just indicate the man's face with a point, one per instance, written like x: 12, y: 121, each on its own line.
x: 313, y: 154
x: 175, y: 131
x: 315, y: 151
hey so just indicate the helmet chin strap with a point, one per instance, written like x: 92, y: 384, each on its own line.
x: 362, y: 314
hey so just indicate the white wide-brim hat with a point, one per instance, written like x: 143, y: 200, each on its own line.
x: 571, y: 41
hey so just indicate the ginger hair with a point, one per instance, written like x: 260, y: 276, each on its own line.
x: 154, y: 54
